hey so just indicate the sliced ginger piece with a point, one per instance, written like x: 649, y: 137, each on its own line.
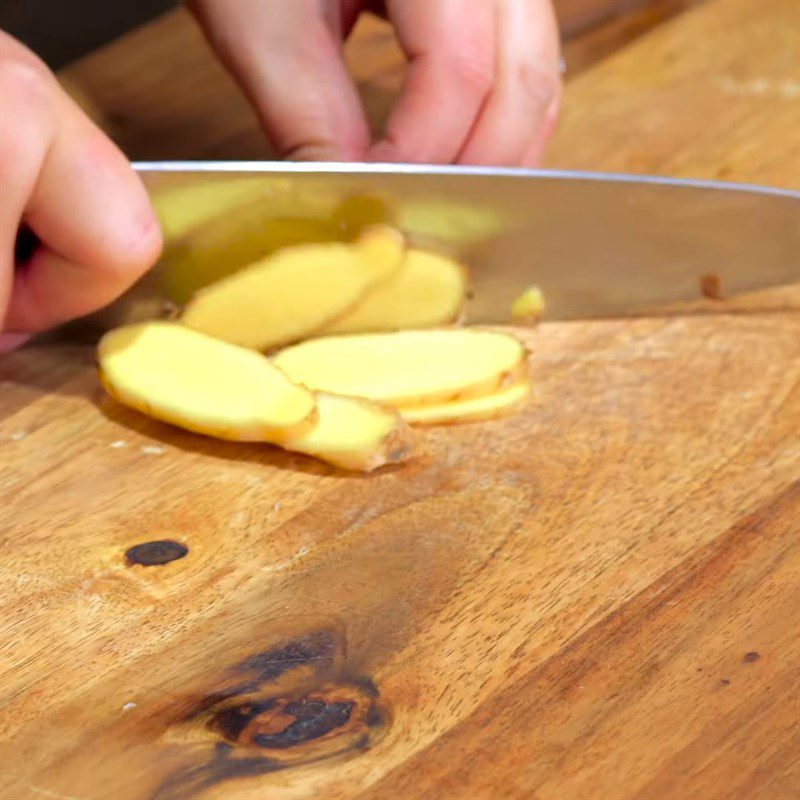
x: 529, y: 307
x: 381, y: 249
x: 427, y: 290
x: 281, y: 298
x: 294, y: 291
x: 407, y: 367
x: 202, y: 384
x: 469, y: 409
x: 354, y: 433
x: 241, y: 236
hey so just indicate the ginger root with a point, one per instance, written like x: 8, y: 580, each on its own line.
x: 295, y: 291
x: 381, y: 249
x: 281, y: 298
x: 354, y: 433
x: 528, y: 308
x: 346, y: 397
x: 202, y: 384
x: 209, y: 386
x: 240, y: 236
x: 407, y: 367
x: 470, y: 409
x: 427, y: 290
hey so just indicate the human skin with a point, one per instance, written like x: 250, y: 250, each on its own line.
x: 482, y: 84
x: 69, y: 184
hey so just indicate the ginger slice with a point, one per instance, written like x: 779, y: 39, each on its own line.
x: 470, y: 409
x: 281, y: 298
x: 354, y: 433
x: 381, y: 249
x: 243, y: 235
x: 183, y: 208
x: 407, y: 367
x: 428, y: 290
x: 529, y: 307
x: 202, y: 384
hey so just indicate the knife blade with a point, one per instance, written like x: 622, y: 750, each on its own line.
x: 598, y: 245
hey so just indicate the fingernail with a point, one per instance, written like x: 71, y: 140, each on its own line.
x: 12, y: 341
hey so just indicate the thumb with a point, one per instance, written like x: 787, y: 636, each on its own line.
x: 290, y: 64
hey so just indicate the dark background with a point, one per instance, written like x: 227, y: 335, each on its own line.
x: 60, y: 31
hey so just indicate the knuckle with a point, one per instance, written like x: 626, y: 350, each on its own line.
x: 21, y: 73
x: 538, y: 84
x: 473, y: 68
x: 13, y: 145
x: 25, y: 89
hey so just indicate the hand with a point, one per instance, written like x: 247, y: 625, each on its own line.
x: 74, y: 190
x: 482, y: 84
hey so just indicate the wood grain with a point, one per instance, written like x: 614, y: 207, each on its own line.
x: 596, y: 598
x: 677, y: 644
x: 559, y: 604
x: 599, y: 37
x: 714, y: 94
x: 777, y: 298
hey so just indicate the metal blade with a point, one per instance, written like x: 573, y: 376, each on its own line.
x: 598, y: 245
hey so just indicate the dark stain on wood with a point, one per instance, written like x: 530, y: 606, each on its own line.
x: 319, y: 646
x: 293, y: 704
x: 711, y: 286
x: 334, y: 713
x: 156, y: 554
x: 231, y: 722
x: 367, y: 685
x: 313, y: 719
x: 750, y: 657
x: 195, y: 780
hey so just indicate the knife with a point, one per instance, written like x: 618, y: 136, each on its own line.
x: 598, y: 245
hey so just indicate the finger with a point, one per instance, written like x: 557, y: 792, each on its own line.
x: 12, y: 341
x: 518, y: 115
x: 534, y: 154
x: 450, y: 47
x: 75, y: 190
x: 287, y: 56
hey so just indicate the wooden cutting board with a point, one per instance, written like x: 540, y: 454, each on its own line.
x: 593, y: 598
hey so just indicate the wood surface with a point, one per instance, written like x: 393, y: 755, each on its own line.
x: 714, y: 93
x: 594, y: 599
